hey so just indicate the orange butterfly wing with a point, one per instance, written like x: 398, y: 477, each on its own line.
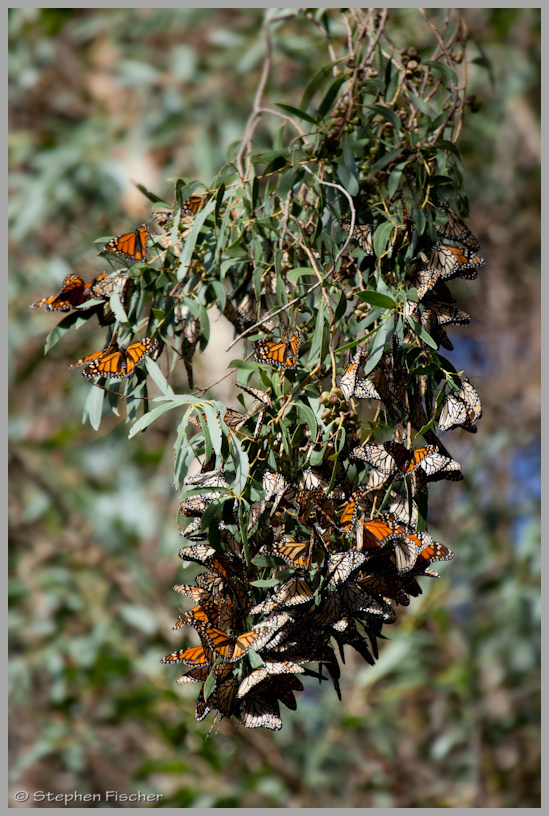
x: 74, y: 292
x: 283, y: 354
x: 121, y: 362
x: 132, y: 246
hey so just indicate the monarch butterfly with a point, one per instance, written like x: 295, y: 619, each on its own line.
x: 281, y: 687
x: 424, y: 281
x: 474, y: 406
x: 219, y: 611
x: 196, y: 675
x: 350, y: 511
x: 292, y: 592
x: 352, y: 637
x: 378, y: 532
x: 405, y: 552
x: 431, y: 552
x: 348, y: 378
x: 222, y: 563
x: 211, y: 581
x: 347, y: 598
x: 430, y: 323
x: 408, y: 460
x: 255, y: 712
x: 273, y: 483
x: 114, y: 361
x: 132, y: 246
x: 74, y: 292
x: 362, y: 234
x: 452, y: 262
x: 368, y: 387
x: 211, y: 478
x: 403, y: 509
x: 453, y: 414
x: 283, y: 354
x: 446, y: 314
x: 295, y: 553
x: 163, y: 216
x: 268, y: 670
x: 232, y: 648
x: 314, y: 479
x: 194, y: 656
x: 310, y: 501
x: 97, y: 355
x: 194, y: 204
x: 103, y: 287
x: 262, y: 396
x: 342, y: 564
x: 456, y: 230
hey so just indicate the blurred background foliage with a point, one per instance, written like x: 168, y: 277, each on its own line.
x: 101, y: 99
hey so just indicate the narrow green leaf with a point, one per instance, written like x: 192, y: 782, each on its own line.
x: 317, y: 82
x: 420, y: 331
x: 381, y: 337
x: 385, y: 160
x: 93, y: 407
x: 316, y: 343
x: 307, y: 414
x: 386, y: 113
x: 265, y: 582
x: 242, y: 465
x: 394, y: 178
x: 296, y: 112
x: 442, y: 68
x: 377, y: 299
x: 423, y: 106
x: 294, y: 274
x: 156, y: 374
x: 381, y: 238
x: 209, y: 685
x: 348, y: 180
x: 214, y: 426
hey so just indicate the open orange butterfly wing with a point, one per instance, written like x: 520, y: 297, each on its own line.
x: 132, y: 246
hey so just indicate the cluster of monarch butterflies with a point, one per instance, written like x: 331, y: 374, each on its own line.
x: 325, y: 553
x: 114, y: 360
x: 327, y: 556
x: 335, y: 584
x: 454, y: 255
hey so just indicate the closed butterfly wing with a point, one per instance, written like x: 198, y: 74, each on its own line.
x: 342, y: 565
x: 270, y: 669
x: 295, y: 553
x: 193, y: 204
x: 362, y: 234
x: 377, y: 456
x: 349, y: 377
x: 255, y: 712
x: 456, y: 230
x: 453, y: 413
x: 293, y: 592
